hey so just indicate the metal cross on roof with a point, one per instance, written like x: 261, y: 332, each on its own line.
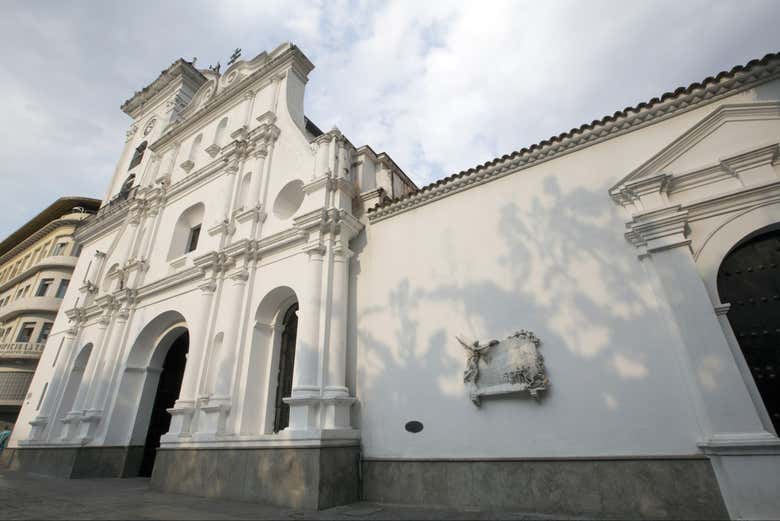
x: 233, y: 57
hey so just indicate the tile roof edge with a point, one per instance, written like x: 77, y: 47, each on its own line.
x: 652, y: 110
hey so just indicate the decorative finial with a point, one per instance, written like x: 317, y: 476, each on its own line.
x: 234, y: 57
x: 194, y: 60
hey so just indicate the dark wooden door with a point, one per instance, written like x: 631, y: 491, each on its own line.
x: 749, y: 280
x: 168, y: 389
x: 286, y: 361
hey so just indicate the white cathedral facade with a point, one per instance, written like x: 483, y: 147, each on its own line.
x: 267, y: 312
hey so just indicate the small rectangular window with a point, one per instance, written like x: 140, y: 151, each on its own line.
x: 59, y: 248
x: 25, y: 333
x: 43, y: 287
x: 192, y: 243
x: 44, y: 334
x: 62, y: 288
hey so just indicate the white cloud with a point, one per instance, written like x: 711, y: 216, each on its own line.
x: 441, y: 86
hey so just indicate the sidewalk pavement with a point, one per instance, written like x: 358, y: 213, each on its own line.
x: 30, y: 496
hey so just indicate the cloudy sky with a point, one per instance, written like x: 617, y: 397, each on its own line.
x: 440, y: 86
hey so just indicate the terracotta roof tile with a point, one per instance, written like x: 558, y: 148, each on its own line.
x: 586, y: 127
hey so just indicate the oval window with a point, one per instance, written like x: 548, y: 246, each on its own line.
x: 289, y: 199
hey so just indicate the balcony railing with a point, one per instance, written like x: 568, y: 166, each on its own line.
x: 116, y: 204
x: 13, y: 386
x: 21, y: 349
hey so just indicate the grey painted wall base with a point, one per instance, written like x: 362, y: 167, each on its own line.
x: 76, y: 462
x: 304, y: 478
x: 600, y: 488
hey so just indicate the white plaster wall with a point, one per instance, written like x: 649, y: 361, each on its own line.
x: 542, y: 249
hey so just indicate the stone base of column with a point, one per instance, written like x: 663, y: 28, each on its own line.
x: 335, y: 412
x: 212, y: 419
x: 181, y: 421
x: 309, y: 478
x: 88, y: 425
x: 748, y: 469
x: 70, y: 426
x: 38, y: 427
x: 316, y: 413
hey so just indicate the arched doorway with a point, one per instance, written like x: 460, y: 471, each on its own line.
x: 284, y: 377
x: 749, y: 280
x: 268, y: 372
x: 168, y: 388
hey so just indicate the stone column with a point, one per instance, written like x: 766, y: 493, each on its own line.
x: 212, y: 420
x: 184, y: 408
x: 108, y: 363
x: 78, y: 415
x: 336, y: 399
x: 337, y: 350
x: 90, y: 277
x: 43, y: 418
x: 305, y: 397
x: 257, y: 175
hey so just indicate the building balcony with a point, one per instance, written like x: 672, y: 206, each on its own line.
x: 52, y: 261
x: 14, y: 386
x: 27, y: 350
x: 29, y: 304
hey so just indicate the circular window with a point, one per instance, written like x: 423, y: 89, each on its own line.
x: 289, y: 199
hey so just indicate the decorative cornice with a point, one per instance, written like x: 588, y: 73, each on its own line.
x: 713, y: 121
x: 287, y: 55
x: 659, y: 230
x: 629, y: 119
x: 180, y: 70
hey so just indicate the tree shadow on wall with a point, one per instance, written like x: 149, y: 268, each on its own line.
x: 575, y: 282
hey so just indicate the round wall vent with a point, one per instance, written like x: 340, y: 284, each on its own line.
x: 413, y: 426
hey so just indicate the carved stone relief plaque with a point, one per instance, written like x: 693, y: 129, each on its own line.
x: 512, y: 365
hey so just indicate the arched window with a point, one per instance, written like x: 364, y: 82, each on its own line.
x: 138, y: 155
x: 186, y: 232
x: 110, y: 283
x: 243, y: 196
x: 194, y: 148
x: 748, y: 279
x: 286, y: 360
x: 127, y: 186
x: 219, y: 136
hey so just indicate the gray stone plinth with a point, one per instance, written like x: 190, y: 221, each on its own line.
x: 683, y: 488
x: 77, y: 462
x: 302, y: 478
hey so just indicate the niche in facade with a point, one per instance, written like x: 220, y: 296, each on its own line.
x: 187, y: 231
x: 289, y: 199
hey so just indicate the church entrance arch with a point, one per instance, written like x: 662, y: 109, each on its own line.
x: 150, y: 385
x: 749, y: 280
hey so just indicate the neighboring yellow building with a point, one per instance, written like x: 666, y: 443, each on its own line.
x: 36, y: 263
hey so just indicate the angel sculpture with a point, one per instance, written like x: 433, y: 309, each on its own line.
x: 476, y: 352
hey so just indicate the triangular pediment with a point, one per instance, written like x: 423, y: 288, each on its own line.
x: 729, y: 131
